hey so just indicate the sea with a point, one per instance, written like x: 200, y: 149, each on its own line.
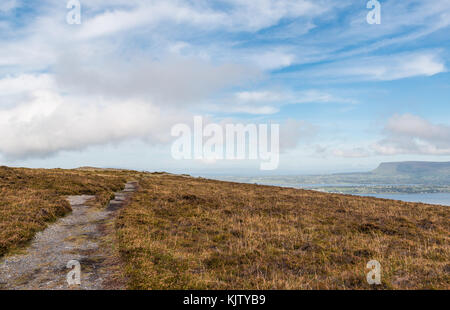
x: 442, y: 199
x: 431, y: 198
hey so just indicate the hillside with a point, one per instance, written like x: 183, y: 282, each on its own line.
x: 32, y: 198
x: 180, y: 232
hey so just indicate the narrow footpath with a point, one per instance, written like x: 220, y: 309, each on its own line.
x: 85, y: 235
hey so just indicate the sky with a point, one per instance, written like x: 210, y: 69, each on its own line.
x: 107, y: 91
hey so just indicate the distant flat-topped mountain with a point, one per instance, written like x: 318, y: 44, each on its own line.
x: 418, y: 168
x: 429, y: 174
x: 407, y: 172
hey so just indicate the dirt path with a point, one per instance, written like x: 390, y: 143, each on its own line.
x: 84, y: 236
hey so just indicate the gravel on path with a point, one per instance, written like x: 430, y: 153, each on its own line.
x: 82, y: 236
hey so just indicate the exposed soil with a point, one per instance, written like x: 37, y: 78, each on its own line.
x: 85, y: 235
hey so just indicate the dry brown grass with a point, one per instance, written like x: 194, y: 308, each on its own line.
x: 187, y: 233
x: 30, y: 198
x: 180, y: 232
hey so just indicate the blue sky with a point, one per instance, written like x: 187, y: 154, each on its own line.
x: 347, y: 94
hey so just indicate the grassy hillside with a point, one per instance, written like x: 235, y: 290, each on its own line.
x: 181, y: 233
x: 30, y: 198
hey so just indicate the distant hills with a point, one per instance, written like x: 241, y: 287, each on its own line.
x: 414, y: 168
x: 412, y: 176
x: 407, y: 172
x: 413, y: 172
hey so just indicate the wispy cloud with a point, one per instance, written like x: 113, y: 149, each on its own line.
x: 267, y: 101
x: 379, y: 68
x: 240, y: 15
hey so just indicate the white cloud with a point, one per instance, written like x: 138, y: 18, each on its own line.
x: 255, y: 110
x: 150, y: 15
x: 266, y: 102
x: 382, y: 68
x: 241, y: 15
x: 270, y: 101
x: 356, y: 152
x: 260, y: 14
x: 259, y: 96
x: 412, y: 125
x: 411, y: 134
x: 289, y: 97
x: 25, y: 83
x: 80, y: 105
x: 171, y: 81
x: 404, y: 134
x: 401, y: 66
x: 273, y: 60
x: 49, y: 123
x: 294, y: 132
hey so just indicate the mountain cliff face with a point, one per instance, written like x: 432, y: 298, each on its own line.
x: 414, y: 168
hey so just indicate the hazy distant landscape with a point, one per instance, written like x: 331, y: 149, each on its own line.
x: 181, y: 232
x: 427, y: 182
